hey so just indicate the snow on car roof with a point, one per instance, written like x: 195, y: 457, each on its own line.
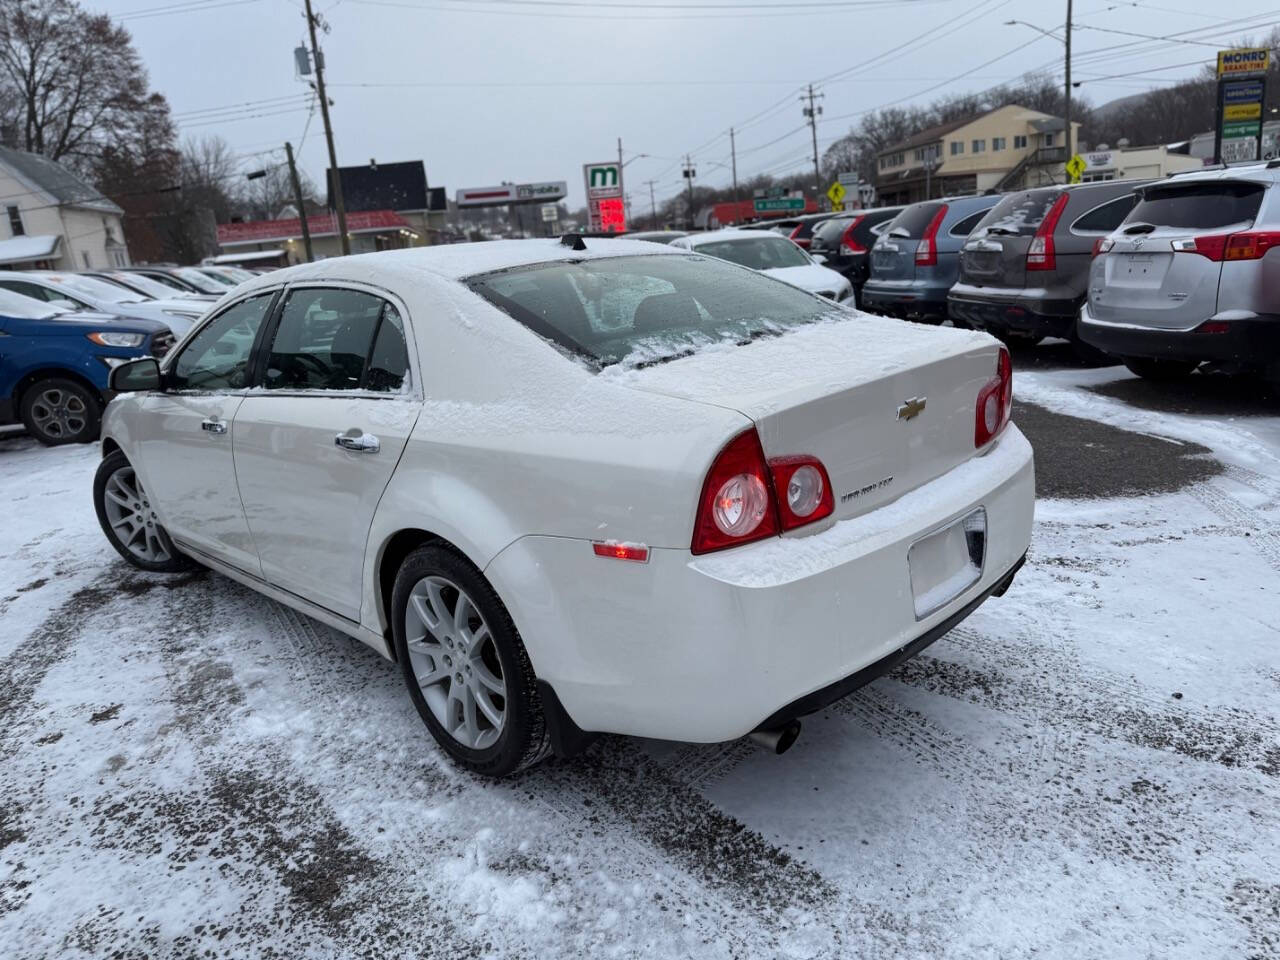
x: 719, y: 236
x: 457, y: 261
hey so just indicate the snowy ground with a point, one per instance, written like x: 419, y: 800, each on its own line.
x: 1089, y: 767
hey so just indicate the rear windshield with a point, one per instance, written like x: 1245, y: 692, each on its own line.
x: 758, y: 253
x: 645, y: 310
x: 830, y: 231
x: 1201, y: 206
x: 1018, y: 214
x: 93, y: 287
x: 914, y: 220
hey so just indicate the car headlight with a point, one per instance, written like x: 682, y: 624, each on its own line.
x: 113, y: 338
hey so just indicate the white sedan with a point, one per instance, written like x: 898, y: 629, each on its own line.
x: 575, y: 488
x: 772, y: 255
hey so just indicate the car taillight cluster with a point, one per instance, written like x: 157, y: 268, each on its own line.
x: 849, y: 246
x: 927, y: 250
x: 995, y: 402
x: 1102, y: 245
x: 747, y: 498
x: 1252, y: 245
x: 797, y: 239
x: 1041, y: 254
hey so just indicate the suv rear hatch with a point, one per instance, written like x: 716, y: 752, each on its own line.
x: 995, y: 255
x: 894, y: 255
x: 845, y: 409
x: 1164, y: 263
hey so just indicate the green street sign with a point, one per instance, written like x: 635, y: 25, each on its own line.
x: 781, y: 204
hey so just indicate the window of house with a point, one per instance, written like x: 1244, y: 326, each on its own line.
x: 957, y: 146
x: 1019, y: 141
x: 979, y: 146
x: 1048, y: 139
x: 998, y: 143
x: 15, y: 222
x: 84, y: 257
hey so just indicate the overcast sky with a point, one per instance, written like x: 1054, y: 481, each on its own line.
x: 490, y: 90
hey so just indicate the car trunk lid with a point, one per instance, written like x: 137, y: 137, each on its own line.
x: 885, y: 406
x: 995, y: 255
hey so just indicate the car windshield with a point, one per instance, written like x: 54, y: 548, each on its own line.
x: 143, y: 284
x: 829, y: 232
x: 28, y: 308
x: 913, y: 221
x: 202, y: 282
x: 645, y: 310
x: 95, y: 288
x: 1018, y: 214
x: 758, y: 253
x: 1200, y: 206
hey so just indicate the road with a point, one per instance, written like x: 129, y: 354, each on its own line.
x: 1088, y: 767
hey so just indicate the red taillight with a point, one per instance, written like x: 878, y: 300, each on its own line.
x: 1041, y: 255
x: 636, y: 552
x: 795, y: 237
x: 1212, y: 248
x: 995, y: 402
x: 927, y: 250
x: 802, y: 489
x: 1213, y: 326
x: 848, y: 245
x: 1250, y: 246
x: 1102, y: 245
x: 736, y: 506
x: 746, y: 499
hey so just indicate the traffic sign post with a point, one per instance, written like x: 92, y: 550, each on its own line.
x: 836, y: 193
x: 1075, y: 167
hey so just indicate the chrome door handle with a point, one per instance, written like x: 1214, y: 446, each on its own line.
x: 365, y: 443
x: 213, y: 426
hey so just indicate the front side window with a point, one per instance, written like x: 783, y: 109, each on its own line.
x: 689, y: 302
x: 324, y: 339
x: 217, y: 358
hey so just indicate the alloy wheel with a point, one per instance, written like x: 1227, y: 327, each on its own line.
x: 455, y: 662
x: 132, y: 518
x: 59, y: 413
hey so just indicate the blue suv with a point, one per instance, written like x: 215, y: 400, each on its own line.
x: 54, y: 365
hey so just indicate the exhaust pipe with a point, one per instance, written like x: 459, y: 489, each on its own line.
x: 778, y: 739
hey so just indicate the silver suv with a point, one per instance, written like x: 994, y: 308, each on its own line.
x: 1192, y: 275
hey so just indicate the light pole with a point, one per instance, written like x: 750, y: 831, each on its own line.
x: 1065, y: 40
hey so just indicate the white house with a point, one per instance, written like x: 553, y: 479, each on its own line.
x: 50, y: 218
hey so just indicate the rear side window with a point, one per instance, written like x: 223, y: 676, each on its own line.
x: 1019, y: 214
x: 962, y: 228
x: 1107, y: 217
x: 830, y: 231
x: 1200, y: 206
x: 914, y: 220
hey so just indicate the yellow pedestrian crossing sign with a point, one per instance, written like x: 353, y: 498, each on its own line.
x: 1075, y: 167
x: 835, y: 193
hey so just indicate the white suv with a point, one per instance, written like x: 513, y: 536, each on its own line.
x: 1192, y: 275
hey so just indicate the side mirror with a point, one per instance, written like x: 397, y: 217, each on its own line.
x: 136, y: 375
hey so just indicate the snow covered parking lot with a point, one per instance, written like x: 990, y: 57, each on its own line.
x: 1087, y: 767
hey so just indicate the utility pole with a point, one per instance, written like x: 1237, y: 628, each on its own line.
x: 812, y: 113
x: 297, y: 198
x: 336, y: 183
x: 733, y: 152
x: 1070, y: 153
x: 626, y: 214
x: 689, y: 174
x: 653, y: 204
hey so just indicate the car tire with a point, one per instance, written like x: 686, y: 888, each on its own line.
x: 57, y: 411
x: 1151, y: 369
x: 128, y: 520
x: 451, y: 668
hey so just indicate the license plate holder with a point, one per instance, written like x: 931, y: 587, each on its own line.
x: 947, y: 562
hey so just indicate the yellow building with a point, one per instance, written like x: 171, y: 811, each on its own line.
x: 1005, y: 149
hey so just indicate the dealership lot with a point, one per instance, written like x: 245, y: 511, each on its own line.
x: 1087, y: 767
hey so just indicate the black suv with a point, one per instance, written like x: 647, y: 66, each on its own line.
x: 845, y: 240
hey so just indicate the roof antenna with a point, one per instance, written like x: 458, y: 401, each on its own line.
x: 573, y: 241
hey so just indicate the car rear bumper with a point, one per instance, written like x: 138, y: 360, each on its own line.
x: 910, y: 300
x: 1254, y: 341
x: 1014, y: 313
x: 709, y: 648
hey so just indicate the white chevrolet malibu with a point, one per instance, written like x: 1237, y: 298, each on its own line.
x: 574, y: 488
x: 773, y: 255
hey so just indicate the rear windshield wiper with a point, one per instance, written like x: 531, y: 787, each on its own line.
x: 1003, y: 231
x: 1137, y: 228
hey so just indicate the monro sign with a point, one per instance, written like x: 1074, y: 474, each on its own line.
x: 1239, y: 63
x: 602, y: 180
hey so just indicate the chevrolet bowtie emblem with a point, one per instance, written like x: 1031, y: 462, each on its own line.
x: 912, y: 408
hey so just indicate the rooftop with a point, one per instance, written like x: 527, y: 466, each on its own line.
x: 56, y: 180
